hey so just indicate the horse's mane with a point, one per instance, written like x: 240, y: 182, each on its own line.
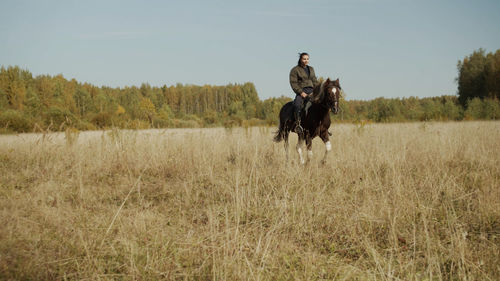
x: 318, y: 92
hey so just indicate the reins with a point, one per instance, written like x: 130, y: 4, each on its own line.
x: 320, y: 98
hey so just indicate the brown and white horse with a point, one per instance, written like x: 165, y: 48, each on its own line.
x: 315, y: 122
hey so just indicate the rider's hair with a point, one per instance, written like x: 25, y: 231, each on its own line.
x: 300, y: 57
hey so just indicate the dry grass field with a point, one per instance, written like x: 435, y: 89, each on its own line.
x: 418, y: 201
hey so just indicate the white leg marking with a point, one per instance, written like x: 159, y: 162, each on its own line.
x: 328, y: 146
x: 299, y: 150
x: 310, y: 154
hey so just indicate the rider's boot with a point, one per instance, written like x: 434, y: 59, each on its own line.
x: 298, y: 128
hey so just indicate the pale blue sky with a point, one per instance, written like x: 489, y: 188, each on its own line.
x: 377, y: 48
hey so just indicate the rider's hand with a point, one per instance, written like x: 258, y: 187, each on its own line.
x: 303, y: 95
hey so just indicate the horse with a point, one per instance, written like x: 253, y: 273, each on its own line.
x: 315, y: 121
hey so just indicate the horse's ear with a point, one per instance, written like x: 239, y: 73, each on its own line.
x: 337, y: 83
x: 328, y: 80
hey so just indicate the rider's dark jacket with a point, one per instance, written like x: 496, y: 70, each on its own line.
x: 300, y: 80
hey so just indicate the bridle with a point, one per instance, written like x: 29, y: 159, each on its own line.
x: 336, y: 97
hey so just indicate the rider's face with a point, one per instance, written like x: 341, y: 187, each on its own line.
x: 304, y: 60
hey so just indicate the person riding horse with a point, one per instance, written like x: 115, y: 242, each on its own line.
x: 325, y: 99
x: 303, y: 80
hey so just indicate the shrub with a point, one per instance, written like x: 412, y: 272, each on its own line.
x: 491, y: 109
x: 451, y: 111
x: 178, y: 123
x: 102, y: 119
x: 159, y: 122
x: 253, y: 122
x: 84, y: 126
x: 210, y: 117
x: 59, y: 117
x: 15, y: 121
x: 138, y: 124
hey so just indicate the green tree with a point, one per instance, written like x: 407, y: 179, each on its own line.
x: 165, y: 112
x: 491, y: 109
x: 431, y: 109
x: 83, y: 101
x: 474, y: 109
x: 412, y: 109
x: 44, y: 86
x: 129, y: 98
x: 479, y: 76
x: 33, y: 103
x: 493, y: 75
x: 147, y: 109
x: 383, y: 110
x: 451, y: 110
x: 13, y: 87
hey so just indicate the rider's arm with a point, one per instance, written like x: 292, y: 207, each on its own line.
x: 294, y: 81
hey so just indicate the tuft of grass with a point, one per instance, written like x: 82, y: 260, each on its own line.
x: 71, y: 135
x: 395, y: 202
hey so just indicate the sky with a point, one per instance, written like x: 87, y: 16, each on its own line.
x: 377, y: 48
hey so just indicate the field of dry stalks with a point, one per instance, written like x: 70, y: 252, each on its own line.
x: 417, y: 201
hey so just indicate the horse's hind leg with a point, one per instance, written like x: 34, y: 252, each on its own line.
x: 285, y: 137
x: 299, y: 150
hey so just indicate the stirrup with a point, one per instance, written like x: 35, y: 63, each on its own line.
x: 298, y: 129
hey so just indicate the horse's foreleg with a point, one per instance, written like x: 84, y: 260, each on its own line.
x: 286, y: 149
x: 328, y: 147
x: 286, y: 132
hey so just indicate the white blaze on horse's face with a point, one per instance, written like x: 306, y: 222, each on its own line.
x: 336, y: 103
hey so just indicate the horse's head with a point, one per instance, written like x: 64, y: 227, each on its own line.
x: 329, y: 95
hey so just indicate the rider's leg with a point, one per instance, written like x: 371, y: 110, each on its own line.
x: 297, y: 103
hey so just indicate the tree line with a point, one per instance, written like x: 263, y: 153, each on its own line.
x: 444, y: 108
x: 54, y: 102
x: 47, y: 102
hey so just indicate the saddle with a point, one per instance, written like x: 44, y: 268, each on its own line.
x: 305, y: 107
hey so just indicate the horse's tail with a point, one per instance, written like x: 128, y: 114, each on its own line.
x: 280, y: 133
x: 284, y: 112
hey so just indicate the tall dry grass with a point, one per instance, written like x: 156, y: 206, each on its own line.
x: 414, y: 201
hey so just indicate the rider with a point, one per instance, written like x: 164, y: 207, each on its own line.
x: 302, y: 80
